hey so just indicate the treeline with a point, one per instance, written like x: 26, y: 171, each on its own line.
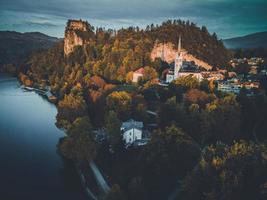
x: 250, y: 52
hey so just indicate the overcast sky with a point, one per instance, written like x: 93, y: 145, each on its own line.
x: 228, y: 18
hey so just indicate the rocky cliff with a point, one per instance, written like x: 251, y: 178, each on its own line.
x: 167, y: 52
x: 77, y: 33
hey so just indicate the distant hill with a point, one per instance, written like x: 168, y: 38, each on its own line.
x: 15, y: 46
x: 255, y: 40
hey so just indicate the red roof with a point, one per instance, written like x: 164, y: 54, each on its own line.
x: 140, y: 71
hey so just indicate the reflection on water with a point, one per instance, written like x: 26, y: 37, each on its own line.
x: 30, y: 167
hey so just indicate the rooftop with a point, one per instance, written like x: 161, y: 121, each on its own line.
x: 132, y: 124
x: 140, y: 71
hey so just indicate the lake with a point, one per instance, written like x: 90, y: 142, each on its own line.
x: 30, y: 167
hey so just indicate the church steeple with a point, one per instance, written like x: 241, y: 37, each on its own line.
x: 178, y: 60
x: 180, y: 44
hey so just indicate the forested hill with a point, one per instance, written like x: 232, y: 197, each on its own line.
x: 255, y: 40
x: 16, y: 46
x: 196, y: 40
x: 113, y: 54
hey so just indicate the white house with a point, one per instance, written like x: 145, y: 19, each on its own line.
x: 170, y: 76
x: 132, y: 130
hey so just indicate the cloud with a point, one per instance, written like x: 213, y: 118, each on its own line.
x: 226, y: 17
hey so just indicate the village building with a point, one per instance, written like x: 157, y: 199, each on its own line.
x: 132, y: 131
x: 182, y: 67
x: 138, y: 74
x: 232, y: 74
x: 235, y: 85
x: 213, y: 76
x: 229, y: 87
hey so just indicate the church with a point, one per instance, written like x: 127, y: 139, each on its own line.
x: 182, y: 67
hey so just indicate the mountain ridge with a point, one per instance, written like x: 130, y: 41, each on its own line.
x: 254, y: 40
x: 16, y: 46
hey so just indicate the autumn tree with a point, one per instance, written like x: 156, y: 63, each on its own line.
x: 238, y: 171
x: 70, y: 108
x: 79, y: 145
x: 120, y: 102
x: 195, y: 96
x: 149, y: 74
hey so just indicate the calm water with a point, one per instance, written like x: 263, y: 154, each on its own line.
x: 30, y: 167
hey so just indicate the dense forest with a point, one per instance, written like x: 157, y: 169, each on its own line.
x: 17, y: 47
x: 206, y: 145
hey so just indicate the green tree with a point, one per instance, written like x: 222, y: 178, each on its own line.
x: 113, y: 127
x: 169, y: 155
x: 79, y: 145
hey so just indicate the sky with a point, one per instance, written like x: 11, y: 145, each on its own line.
x: 228, y: 18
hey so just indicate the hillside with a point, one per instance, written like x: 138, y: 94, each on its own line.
x: 167, y: 53
x: 15, y: 46
x: 115, y: 54
x: 255, y: 40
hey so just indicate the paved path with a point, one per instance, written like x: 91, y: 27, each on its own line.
x: 151, y: 112
x: 99, y: 178
x: 83, y: 181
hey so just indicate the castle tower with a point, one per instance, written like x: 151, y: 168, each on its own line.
x: 178, y: 60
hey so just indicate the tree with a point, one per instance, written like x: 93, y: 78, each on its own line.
x: 182, y: 84
x: 149, y: 74
x: 113, y: 127
x: 137, y: 189
x: 129, y: 77
x: 195, y: 96
x: 242, y: 68
x: 81, y: 124
x: 115, y: 193
x: 79, y: 145
x: 120, y: 102
x: 169, y: 155
x: 70, y: 108
x: 220, y: 121
x: 231, y: 172
x: 263, y: 83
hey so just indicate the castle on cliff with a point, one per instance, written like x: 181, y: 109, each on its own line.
x: 77, y: 33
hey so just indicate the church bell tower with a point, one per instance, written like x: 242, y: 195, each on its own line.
x: 178, y: 60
